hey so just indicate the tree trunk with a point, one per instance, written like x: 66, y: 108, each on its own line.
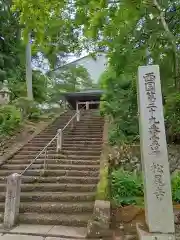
x: 29, y: 69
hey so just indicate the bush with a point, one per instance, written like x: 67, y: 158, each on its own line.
x: 172, y: 114
x: 29, y: 108
x: 10, y: 119
x: 126, y: 157
x: 120, y: 104
x: 175, y: 185
x: 126, y: 188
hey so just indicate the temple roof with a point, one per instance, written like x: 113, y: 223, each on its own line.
x: 88, y: 95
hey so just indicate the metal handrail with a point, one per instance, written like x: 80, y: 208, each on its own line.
x: 75, y: 115
x: 42, y: 151
x: 47, y: 145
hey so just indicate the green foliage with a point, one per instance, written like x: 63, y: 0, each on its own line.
x: 126, y: 187
x: 54, y: 30
x: 10, y: 119
x: 40, y: 87
x: 29, y: 109
x: 172, y: 113
x: 69, y: 78
x: 121, y: 105
x: 175, y: 184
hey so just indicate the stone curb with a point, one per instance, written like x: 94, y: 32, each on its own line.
x: 19, y: 146
x: 98, y: 225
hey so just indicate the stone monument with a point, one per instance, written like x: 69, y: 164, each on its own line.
x: 157, y: 185
x: 4, y: 96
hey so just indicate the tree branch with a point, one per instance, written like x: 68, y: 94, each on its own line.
x: 172, y: 39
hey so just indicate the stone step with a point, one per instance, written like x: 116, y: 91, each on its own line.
x: 75, y: 138
x: 65, y: 147
x: 78, y: 220
x: 65, y: 144
x: 92, y: 152
x: 90, y: 128
x: 64, y: 194
x: 83, y: 122
x: 75, y: 129
x: 53, y: 196
x: 54, y: 187
x: 66, y: 141
x: 96, y: 119
x: 61, y: 179
x: 81, y: 132
x: 56, y: 156
x: 55, y: 161
x: 51, y: 167
x: 38, y: 172
x: 54, y: 207
x: 72, y: 134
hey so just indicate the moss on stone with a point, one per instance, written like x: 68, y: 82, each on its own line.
x: 103, y: 185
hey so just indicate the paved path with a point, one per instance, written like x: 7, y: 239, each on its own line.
x: 27, y: 237
x: 46, y: 232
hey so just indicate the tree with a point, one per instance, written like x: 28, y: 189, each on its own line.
x: 50, y: 22
x: 130, y: 31
x: 70, y: 78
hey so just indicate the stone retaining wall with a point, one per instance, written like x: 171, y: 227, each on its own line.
x: 129, y: 157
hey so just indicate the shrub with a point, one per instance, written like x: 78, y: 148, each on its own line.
x: 10, y: 119
x: 175, y: 185
x: 125, y: 156
x: 126, y: 188
x: 29, y: 108
x: 172, y: 113
x: 120, y: 104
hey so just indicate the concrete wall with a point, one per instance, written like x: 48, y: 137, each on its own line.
x: 95, y: 67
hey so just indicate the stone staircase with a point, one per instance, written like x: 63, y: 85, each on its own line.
x: 64, y: 194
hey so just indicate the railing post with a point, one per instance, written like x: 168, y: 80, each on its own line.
x: 12, y: 202
x: 87, y: 105
x: 78, y: 115
x: 59, y: 140
x: 45, y: 160
x: 72, y: 124
x: 77, y: 106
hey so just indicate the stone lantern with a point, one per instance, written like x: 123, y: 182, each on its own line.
x: 4, y: 95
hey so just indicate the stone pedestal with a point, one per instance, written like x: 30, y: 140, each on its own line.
x: 98, y: 226
x: 12, y: 200
x: 146, y: 235
x: 4, y: 96
x: 158, y: 199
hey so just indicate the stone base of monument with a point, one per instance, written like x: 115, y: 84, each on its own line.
x: 143, y: 234
x: 98, y: 225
